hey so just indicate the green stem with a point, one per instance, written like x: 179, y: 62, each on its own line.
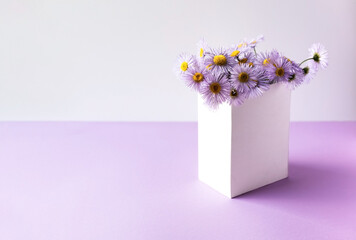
x: 305, y: 61
x: 254, y: 49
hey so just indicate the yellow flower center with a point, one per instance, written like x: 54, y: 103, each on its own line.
x: 209, y: 66
x: 280, y: 72
x: 250, y: 64
x: 184, y: 66
x: 254, y: 42
x: 266, y: 61
x: 215, y: 87
x: 201, y: 52
x: 198, y: 77
x: 235, y: 53
x: 220, y: 60
x: 243, y: 77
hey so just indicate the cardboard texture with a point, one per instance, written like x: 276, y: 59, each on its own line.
x: 245, y: 147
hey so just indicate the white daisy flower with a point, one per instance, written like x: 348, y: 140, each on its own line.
x: 319, y: 55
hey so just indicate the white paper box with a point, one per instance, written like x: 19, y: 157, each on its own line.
x: 245, y: 147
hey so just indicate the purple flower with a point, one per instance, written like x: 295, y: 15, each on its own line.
x: 215, y: 90
x: 319, y: 55
x: 219, y: 61
x: 234, y: 51
x: 244, y: 77
x: 183, y: 63
x: 263, y: 59
x: 279, y: 70
x: 237, y: 97
x: 195, y: 76
x: 262, y: 85
x: 296, y: 78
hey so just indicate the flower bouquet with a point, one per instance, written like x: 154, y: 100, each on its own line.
x: 238, y: 73
x: 244, y: 111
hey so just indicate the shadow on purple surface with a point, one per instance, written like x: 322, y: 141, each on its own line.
x: 316, y: 191
x: 307, y: 182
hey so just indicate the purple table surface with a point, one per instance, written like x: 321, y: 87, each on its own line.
x: 139, y: 181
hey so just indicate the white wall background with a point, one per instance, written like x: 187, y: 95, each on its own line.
x: 107, y: 60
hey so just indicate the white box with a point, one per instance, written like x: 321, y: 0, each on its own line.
x: 245, y: 147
